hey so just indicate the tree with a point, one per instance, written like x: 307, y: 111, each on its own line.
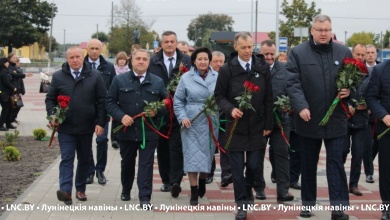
x: 128, y: 19
x: 44, y: 42
x: 361, y: 38
x: 217, y: 22
x: 102, y: 36
x: 298, y: 14
x: 23, y: 22
x: 386, y: 39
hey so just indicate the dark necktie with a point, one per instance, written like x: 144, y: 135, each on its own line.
x: 247, y: 67
x: 139, y: 78
x: 77, y: 73
x: 94, y: 65
x: 170, y: 66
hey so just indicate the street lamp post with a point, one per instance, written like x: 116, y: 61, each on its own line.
x: 345, y: 38
x: 51, y: 35
x: 64, y: 44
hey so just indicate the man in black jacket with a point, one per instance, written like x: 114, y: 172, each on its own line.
x: 107, y: 71
x: 278, y: 150
x: 86, y: 115
x: 378, y: 101
x: 249, y: 138
x: 165, y: 64
x: 126, y: 98
x: 314, y: 66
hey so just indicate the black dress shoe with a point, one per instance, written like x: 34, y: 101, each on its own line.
x: 115, y: 145
x: 209, y: 180
x: 125, y: 197
x: 64, y: 197
x: 3, y: 129
x: 145, y: 205
x: 226, y: 180
x: 10, y: 126
x: 260, y: 194
x: 101, y: 178
x: 175, y: 190
x: 370, y: 179
x: 241, y: 215
x: 355, y: 191
x: 305, y: 214
x: 295, y: 185
x: 285, y: 198
x: 339, y: 215
x: 165, y: 187
x: 90, y: 178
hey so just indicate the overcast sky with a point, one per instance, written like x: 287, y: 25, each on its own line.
x: 79, y: 18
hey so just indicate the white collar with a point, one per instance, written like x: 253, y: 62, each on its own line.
x: 243, y: 63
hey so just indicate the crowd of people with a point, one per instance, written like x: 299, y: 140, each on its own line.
x: 186, y: 146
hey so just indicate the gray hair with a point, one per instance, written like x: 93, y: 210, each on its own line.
x: 370, y: 46
x: 218, y: 54
x: 140, y: 50
x: 73, y: 48
x: 182, y: 42
x: 321, y: 18
x: 167, y: 33
x: 244, y: 35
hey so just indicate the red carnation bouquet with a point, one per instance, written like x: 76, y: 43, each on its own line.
x: 244, y: 102
x: 172, y: 85
x: 349, y: 77
x: 59, y: 115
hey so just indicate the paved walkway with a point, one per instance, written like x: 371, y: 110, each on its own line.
x: 39, y: 201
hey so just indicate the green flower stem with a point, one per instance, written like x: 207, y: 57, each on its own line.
x: 330, y: 111
x: 232, y: 128
x: 383, y: 133
x: 192, y: 120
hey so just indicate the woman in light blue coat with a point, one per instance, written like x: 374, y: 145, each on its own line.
x: 194, y: 88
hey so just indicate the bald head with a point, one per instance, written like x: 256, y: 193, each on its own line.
x: 94, y: 48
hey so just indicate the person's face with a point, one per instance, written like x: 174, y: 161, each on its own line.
x: 217, y: 62
x: 244, y: 48
x: 94, y: 49
x: 359, y: 53
x: 371, y: 55
x: 14, y: 58
x: 6, y: 64
x: 322, y: 32
x: 75, y: 58
x: 269, y: 53
x: 183, y: 48
x: 282, y: 59
x: 140, y: 62
x: 122, y: 62
x: 202, y: 62
x: 168, y: 44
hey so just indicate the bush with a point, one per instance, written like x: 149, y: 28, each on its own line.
x: 12, y: 153
x: 39, y: 133
x: 11, y: 138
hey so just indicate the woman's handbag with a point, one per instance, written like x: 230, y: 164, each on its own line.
x: 16, y: 101
x: 44, y: 86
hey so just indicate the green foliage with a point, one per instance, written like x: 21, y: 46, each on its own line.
x: 121, y: 38
x: 39, y: 133
x: 44, y: 42
x: 361, y: 38
x: 23, y: 22
x: 12, y: 153
x: 217, y: 22
x: 11, y: 137
x: 386, y: 39
x: 103, y: 37
x: 298, y: 14
x: 283, y: 103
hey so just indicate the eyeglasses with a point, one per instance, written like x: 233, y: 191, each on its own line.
x: 322, y: 30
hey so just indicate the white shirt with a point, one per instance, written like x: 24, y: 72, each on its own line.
x: 142, y: 78
x: 271, y: 66
x: 167, y: 62
x: 243, y: 63
x: 72, y: 71
x: 97, y: 62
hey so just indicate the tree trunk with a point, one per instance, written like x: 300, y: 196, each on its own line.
x: 10, y: 49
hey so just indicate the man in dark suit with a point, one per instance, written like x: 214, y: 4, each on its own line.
x: 107, y: 71
x: 140, y: 86
x: 86, y: 115
x: 165, y: 64
x: 248, y: 142
x: 312, y: 88
x: 378, y: 101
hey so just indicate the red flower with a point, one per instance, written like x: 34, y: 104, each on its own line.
x: 256, y: 89
x: 247, y: 84
x: 183, y: 69
x: 167, y: 103
x: 63, y: 104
